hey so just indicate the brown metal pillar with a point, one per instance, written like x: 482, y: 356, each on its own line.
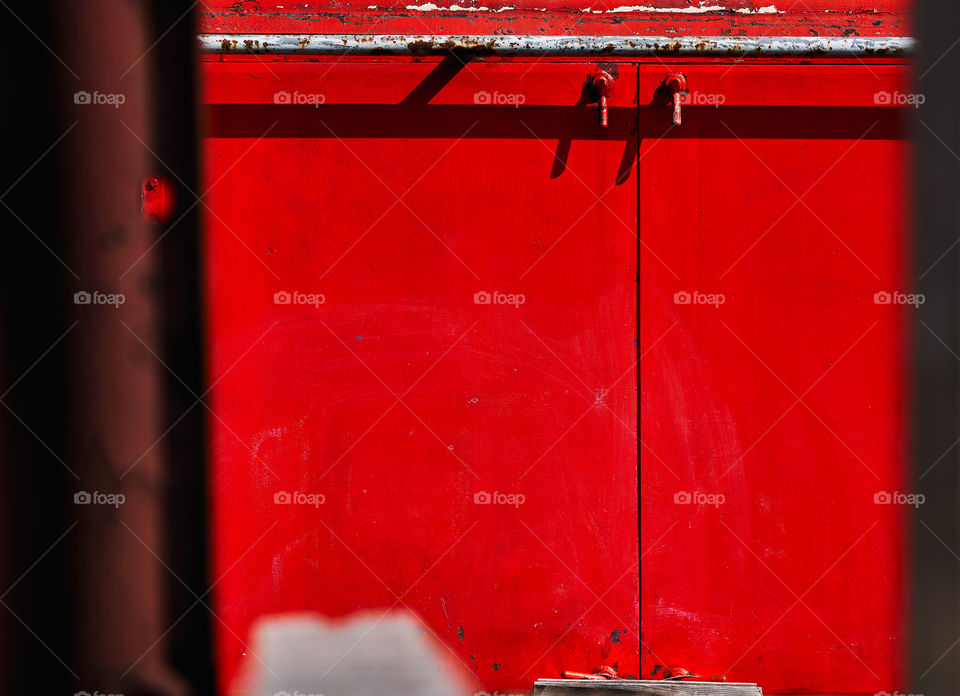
x: 115, y: 439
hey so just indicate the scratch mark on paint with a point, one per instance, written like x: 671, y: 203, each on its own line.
x: 600, y: 397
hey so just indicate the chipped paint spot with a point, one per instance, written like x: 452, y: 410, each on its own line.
x: 600, y: 397
x: 460, y: 633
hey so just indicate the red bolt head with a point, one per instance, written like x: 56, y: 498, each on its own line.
x: 675, y: 82
x: 603, y: 82
x: 156, y: 199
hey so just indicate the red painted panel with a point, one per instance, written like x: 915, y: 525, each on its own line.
x: 400, y: 398
x: 780, y: 394
x: 771, y: 399
x: 650, y: 17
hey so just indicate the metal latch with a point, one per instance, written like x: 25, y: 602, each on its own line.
x: 675, y: 85
x: 602, y: 83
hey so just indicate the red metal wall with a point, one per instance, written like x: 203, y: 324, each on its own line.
x: 399, y: 397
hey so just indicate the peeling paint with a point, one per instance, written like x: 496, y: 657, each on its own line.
x: 431, y: 7
x: 700, y: 9
x: 769, y: 9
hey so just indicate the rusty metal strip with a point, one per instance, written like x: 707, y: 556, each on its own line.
x: 432, y: 44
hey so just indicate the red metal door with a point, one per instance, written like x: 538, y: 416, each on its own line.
x: 773, y: 231
x: 424, y: 362
x: 406, y: 194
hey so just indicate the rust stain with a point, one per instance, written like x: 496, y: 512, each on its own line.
x: 424, y: 48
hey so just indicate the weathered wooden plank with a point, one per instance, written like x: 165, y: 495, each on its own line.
x: 618, y: 687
